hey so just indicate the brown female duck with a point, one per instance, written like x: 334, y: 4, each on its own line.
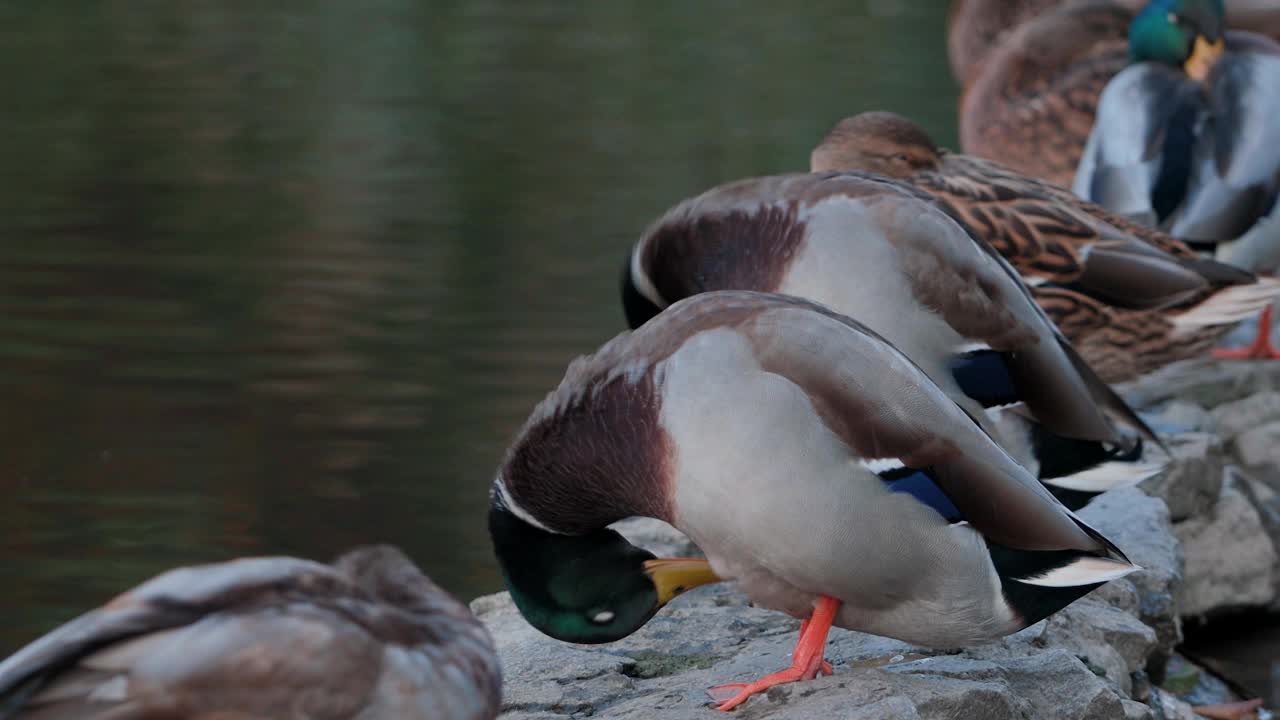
x: 1130, y: 298
x: 274, y: 637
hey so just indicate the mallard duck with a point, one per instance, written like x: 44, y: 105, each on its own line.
x: 877, y: 251
x: 812, y: 462
x: 977, y: 27
x: 1031, y: 104
x: 274, y: 637
x: 1186, y: 136
x: 1129, y: 297
x: 1033, y: 70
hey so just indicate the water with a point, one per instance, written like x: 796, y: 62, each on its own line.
x: 285, y: 277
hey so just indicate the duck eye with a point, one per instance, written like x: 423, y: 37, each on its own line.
x: 902, y: 157
x: 602, y: 617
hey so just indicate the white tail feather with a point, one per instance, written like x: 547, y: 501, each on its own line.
x: 1228, y: 306
x: 1085, y: 571
x: 1107, y: 476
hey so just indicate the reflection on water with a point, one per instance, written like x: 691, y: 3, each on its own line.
x: 285, y: 277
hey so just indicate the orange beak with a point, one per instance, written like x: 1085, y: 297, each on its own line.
x: 673, y: 576
x: 1203, y: 55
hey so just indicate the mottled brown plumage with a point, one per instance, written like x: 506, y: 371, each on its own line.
x: 1131, y: 289
x: 368, y: 636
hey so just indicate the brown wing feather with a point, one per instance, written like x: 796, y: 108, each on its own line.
x: 1049, y: 234
x: 1032, y: 105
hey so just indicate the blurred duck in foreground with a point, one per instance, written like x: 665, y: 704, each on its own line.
x: 887, y: 256
x: 1032, y: 72
x: 1129, y: 297
x: 369, y: 636
x: 1186, y: 138
x: 812, y: 462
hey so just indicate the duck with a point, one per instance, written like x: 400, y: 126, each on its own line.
x: 1032, y: 72
x: 1129, y: 297
x: 814, y: 463
x: 1185, y: 136
x: 878, y: 251
x: 267, y: 637
x: 975, y: 28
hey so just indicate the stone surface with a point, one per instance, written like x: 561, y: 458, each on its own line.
x: 1191, y: 481
x: 1259, y: 445
x: 1248, y: 413
x: 1077, y: 664
x: 1139, y: 525
x: 1230, y: 558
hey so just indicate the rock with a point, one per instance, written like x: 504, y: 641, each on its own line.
x: 1259, y: 445
x: 1196, y: 686
x: 1202, y: 381
x: 712, y: 636
x: 1190, y: 483
x: 1104, y: 637
x: 1139, y: 525
x: 1240, y: 416
x: 1230, y: 558
x: 1176, y: 417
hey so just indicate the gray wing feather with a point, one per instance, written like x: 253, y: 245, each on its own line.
x: 1121, y: 161
x: 1237, y: 167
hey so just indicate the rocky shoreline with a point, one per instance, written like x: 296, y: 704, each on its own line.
x: 1205, y: 531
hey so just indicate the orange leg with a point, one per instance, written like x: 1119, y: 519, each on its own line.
x: 806, y: 661
x: 1260, y: 348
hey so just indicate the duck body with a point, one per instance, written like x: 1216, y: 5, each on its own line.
x: 1130, y: 298
x: 1031, y: 94
x: 368, y: 636
x: 778, y: 435
x: 879, y: 251
x: 1194, y: 156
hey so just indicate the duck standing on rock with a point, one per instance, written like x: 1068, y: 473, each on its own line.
x: 1186, y: 137
x: 880, y: 252
x: 812, y: 462
x: 369, y: 636
x: 1130, y: 298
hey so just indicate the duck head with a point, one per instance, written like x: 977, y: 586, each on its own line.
x: 880, y: 142
x: 591, y: 588
x: 1183, y: 33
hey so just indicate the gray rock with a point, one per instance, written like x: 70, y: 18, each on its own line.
x: 1139, y: 525
x: 1202, y: 381
x: 1190, y: 483
x: 712, y: 636
x: 1230, y: 558
x: 1176, y: 417
x: 1259, y: 445
x: 1240, y: 416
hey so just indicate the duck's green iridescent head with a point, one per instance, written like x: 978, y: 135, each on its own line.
x: 590, y: 588
x: 1185, y: 33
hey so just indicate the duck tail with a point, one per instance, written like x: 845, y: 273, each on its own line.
x: 1228, y: 306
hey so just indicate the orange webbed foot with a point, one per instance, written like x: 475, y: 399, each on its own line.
x: 806, y: 662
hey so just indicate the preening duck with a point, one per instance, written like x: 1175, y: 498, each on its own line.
x: 813, y: 463
x: 1129, y: 297
x: 882, y: 253
x: 368, y: 636
x: 1185, y: 137
x: 1032, y: 72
